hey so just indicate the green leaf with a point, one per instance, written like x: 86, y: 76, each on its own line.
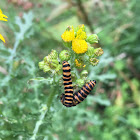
x: 40, y: 79
x: 24, y: 26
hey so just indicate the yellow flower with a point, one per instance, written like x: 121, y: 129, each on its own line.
x: 82, y: 26
x: 68, y: 35
x: 79, y: 46
x: 2, y: 17
x: 81, y: 34
x: 79, y: 63
x: 2, y: 38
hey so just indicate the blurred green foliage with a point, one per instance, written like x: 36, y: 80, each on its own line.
x: 34, y: 28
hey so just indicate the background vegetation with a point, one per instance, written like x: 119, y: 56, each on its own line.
x: 34, y: 28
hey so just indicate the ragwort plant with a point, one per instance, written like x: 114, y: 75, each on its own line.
x: 79, y: 53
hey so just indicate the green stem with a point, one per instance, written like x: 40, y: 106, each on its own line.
x: 51, y: 96
x: 39, y: 122
x: 13, y: 54
x: 72, y: 58
x: 53, y: 92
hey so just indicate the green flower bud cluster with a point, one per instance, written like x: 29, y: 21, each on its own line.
x: 50, y: 63
x: 92, y: 52
x: 64, y: 55
x: 92, y: 39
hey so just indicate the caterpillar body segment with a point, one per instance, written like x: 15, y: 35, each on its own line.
x: 67, y: 98
x: 80, y: 95
x: 64, y: 101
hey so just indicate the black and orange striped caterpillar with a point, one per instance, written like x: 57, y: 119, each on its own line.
x: 69, y: 99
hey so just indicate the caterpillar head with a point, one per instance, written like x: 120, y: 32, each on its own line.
x: 64, y: 62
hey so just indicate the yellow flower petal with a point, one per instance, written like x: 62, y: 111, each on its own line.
x: 2, y: 38
x: 77, y: 63
x: 2, y: 16
x: 84, y: 66
x: 68, y: 35
x: 79, y: 46
x: 3, y: 19
x: 81, y: 34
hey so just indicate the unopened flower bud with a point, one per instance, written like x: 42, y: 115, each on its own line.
x: 92, y: 39
x: 64, y: 55
x: 80, y: 82
x: 90, y: 51
x: 59, y: 69
x: 47, y: 59
x: 55, y: 61
x: 54, y: 54
x: 84, y: 73
x: 46, y: 68
x: 41, y: 65
x: 53, y: 64
x: 98, y: 52
x: 94, y: 61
